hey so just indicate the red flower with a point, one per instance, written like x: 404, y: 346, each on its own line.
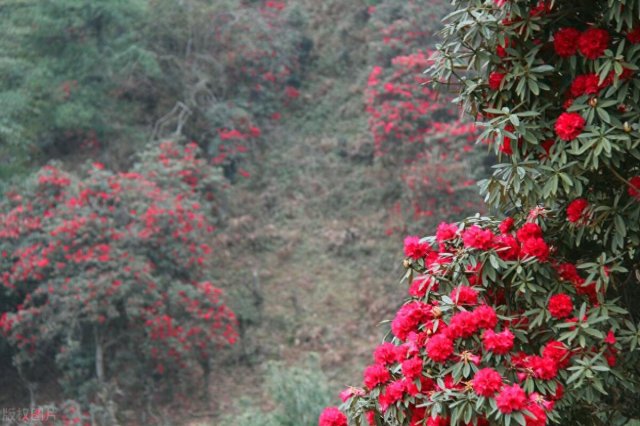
x: 560, y: 306
x: 586, y: 84
x: 507, y: 247
x: 439, y: 348
x: 505, y: 148
x: 569, y: 272
x: 349, y: 393
x: 332, y: 416
x: 476, y: 237
x: 634, y: 188
x: 569, y: 125
x: 495, y: 80
x: 438, y: 421
x: 634, y: 35
x: 402, y: 352
x: 557, y: 352
x: 546, y: 145
x: 385, y: 354
x: 510, y: 399
x: 371, y: 418
x: 409, y: 317
x: 393, y: 393
x: 538, y: 416
x: 498, y: 343
x: 487, y: 382
x: 446, y: 231
x: 506, y: 225
x: 412, y: 368
x: 541, y: 8
x: 414, y: 249
x: 576, y: 210
x: 565, y: 42
x: 464, y: 295
x: 529, y: 230
x: 535, y: 247
x: 543, y: 368
x: 593, y: 42
x: 485, y: 317
x: 462, y: 324
x: 501, y: 51
x: 421, y: 284
x: 375, y: 375
x: 291, y: 92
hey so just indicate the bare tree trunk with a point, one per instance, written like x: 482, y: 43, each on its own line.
x: 206, y: 376
x: 99, y: 357
x: 31, y: 387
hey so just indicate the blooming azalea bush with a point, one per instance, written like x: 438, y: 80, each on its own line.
x: 104, y: 265
x: 531, y: 319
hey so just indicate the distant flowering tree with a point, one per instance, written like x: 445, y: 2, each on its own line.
x: 247, y: 63
x: 531, y: 319
x: 417, y: 132
x: 113, y: 268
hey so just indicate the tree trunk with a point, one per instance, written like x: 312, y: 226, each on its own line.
x: 99, y: 357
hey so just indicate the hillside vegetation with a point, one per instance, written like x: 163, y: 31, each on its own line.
x: 317, y: 149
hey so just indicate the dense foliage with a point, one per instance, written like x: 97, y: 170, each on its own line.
x: 299, y: 393
x: 528, y: 320
x: 70, y: 71
x: 80, y: 77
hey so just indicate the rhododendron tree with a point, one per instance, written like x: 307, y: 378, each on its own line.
x: 105, y: 265
x: 530, y: 319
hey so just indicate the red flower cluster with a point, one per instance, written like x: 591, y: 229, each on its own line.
x: 444, y: 330
x: 478, y: 238
x: 495, y: 80
x: 446, y: 231
x: 332, y: 416
x: 591, y: 43
x: 511, y: 398
x: 565, y: 42
x: 569, y: 125
x: 569, y: 272
x: 560, y: 306
x: 420, y: 131
x: 415, y: 249
x: 576, y: 210
x: 464, y: 295
x: 586, y: 84
x: 487, y: 382
x: 439, y: 348
x: 498, y: 343
x: 409, y: 317
x: 376, y: 375
x: 634, y: 35
x: 634, y: 187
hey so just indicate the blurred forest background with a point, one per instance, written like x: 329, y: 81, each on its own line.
x: 203, y: 202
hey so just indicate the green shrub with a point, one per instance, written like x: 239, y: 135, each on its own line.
x: 299, y: 393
